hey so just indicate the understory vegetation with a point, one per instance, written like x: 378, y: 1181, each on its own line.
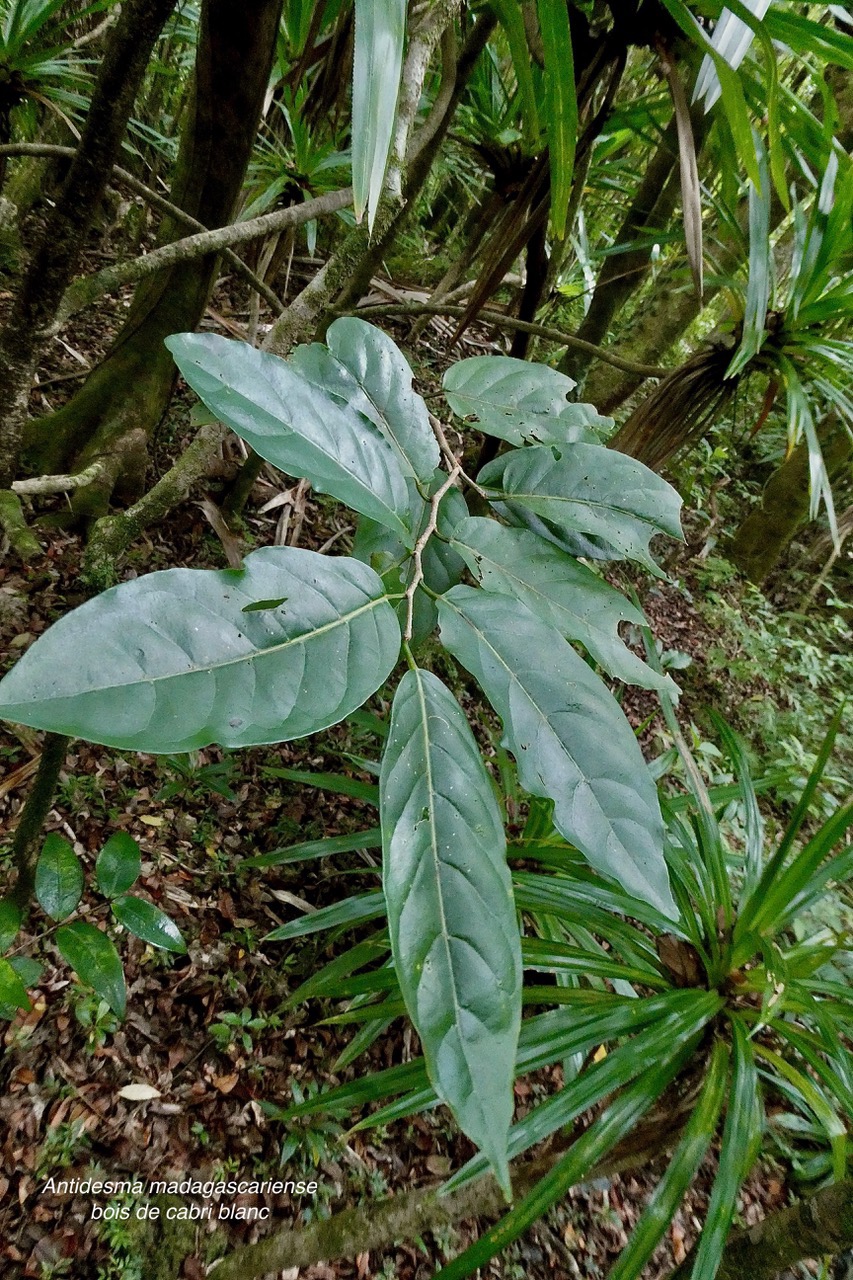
x: 426, y: 602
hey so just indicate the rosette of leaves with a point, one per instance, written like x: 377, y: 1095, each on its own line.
x: 296, y: 641
x: 720, y: 1029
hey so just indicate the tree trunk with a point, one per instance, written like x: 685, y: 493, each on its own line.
x: 55, y: 260
x: 784, y: 507
x: 115, y: 412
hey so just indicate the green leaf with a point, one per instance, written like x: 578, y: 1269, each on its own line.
x: 561, y: 106
x: 296, y: 425
x: 310, y: 849
x: 554, y: 586
x: 95, y: 960
x: 617, y: 1120
x: 451, y: 913
x: 519, y: 401
x: 13, y: 993
x: 741, y: 1139
x: 118, y: 864
x: 149, y: 923
x: 588, y: 490
x: 59, y: 877
x: 382, y: 372
x: 339, y: 784
x: 170, y: 663
x: 683, y: 1165
x: 380, y: 33
x: 571, y: 741
x: 510, y: 16
x: 365, y: 906
x: 11, y: 916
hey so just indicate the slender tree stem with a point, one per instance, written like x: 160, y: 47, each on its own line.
x: 36, y: 808
x: 502, y: 321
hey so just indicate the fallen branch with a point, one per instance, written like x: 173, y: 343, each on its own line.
x: 86, y: 290
x: 502, y: 321
x: 157, y: 201
x: 59, y: 484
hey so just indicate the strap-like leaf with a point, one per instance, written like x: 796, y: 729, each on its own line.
x: 380, y: 32
x: 516, y: 400
x: 296, y: 424
x: 554, y: 586
x: 149, y: 923
x: 118, y: 864
x: 173, y: 661
x: 588, y: 490
x: 561, y: 120
x: 95, y: 960
x: 571, y: 741
x: 450, y: 909
x: 59, y: 877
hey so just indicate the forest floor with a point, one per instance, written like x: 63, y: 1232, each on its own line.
x: 61, y: 1113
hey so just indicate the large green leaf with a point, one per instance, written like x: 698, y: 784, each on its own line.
x: 380, y: 32
x: 95, y: 961
x: 148, y: 922
x: 450, y: 907
x: 59, y: 877
x: 588, y: 490
x: 517, y: 400
x: 571, y: 741
x: 383, y: 374
x: 296, y: 424
x: 556, y: 587
x: 172, y: 661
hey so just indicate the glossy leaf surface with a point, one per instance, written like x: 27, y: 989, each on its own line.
x: 149, y: 923
x: 118, y: 864
x: 450, y: 909
x: 571, y: 741
x: 95, y: 960
x: 179, y: 663
x: 59, y: 877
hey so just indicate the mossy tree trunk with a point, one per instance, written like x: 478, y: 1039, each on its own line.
x: 119, y: 406
x: 784, y: 506
x: 57, y: 254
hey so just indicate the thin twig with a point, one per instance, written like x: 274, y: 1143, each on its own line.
x: 417, y: 554
x: 502, y: 321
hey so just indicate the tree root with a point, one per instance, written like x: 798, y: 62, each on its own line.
x: 21, y: 539
x: 112, y: 535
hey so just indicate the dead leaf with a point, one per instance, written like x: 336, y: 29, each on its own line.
x: 225, y: 1083
x: 139, y: 1092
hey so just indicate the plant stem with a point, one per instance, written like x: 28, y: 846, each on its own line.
x: 502, y: 321
x: 36, y: 808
